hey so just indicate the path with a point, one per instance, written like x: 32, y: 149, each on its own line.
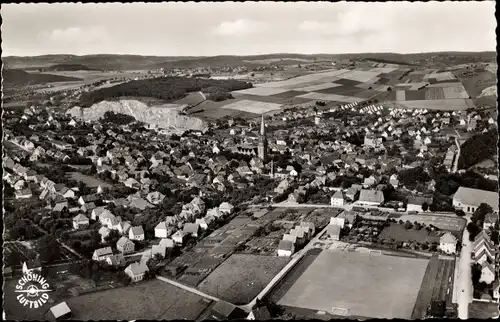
x: 457, y: 156
x: 187, y: 288
x: 463, y: 277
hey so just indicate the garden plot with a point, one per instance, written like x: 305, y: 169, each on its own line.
x: 261, y: 91
x: 241, y: 277
x: 359, y: 284
x: 440, y: 105
x: 330, y: 97
x: 253, y: 106
x: 434, y: 93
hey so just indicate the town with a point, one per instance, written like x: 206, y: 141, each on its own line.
x: 357, y: 188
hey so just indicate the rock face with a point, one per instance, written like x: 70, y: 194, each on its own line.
x: 163, y: 116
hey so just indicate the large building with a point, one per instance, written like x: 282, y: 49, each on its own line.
x: 262, y: 146
x: 469, y: 199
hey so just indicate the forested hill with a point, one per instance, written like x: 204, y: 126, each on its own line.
x: 17, y: 77
x: 164, y: 88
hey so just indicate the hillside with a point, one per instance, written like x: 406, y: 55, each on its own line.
x: 165, y: 88
x: 162, y: 116
x: 136, y: 62
x: 17, y: 77
x: 66, y: 67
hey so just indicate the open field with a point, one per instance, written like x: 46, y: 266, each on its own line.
x: 241, y: 277
x: 441, y: 222
x: 317, y: 87
x: 439, y: 105
x: 151, y: 300
x: 91, y: 182
x: 360, y: 75
x: 329, y: 97
x: 253, y: 106
x: 304, y: 80
x: 261, y: 91
x: 359, y: 284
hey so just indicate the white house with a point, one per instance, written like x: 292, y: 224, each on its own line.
x: 101, y: 254
x: 178, y: 237
x: 337, y: 221
x: 415, y: 203
x: 448, y: 243
x: 333, y: 231
x: 286, y: 248
x: 80, y: 221
x: 337, y: 199
x: 162, y: 230
x: 226, y: 208
x: 487, y: 273
x: 125, y: 245
x: 136, y: 271
x: 136, y: 233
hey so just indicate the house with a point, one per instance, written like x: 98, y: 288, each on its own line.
x: 80, y: 221
x: 309, y: 226
x: 191, y: 229
x: 489, y: 220
x: 333, y: 231
x: 393, y: 180
x: 125, y: 245
x: 178, y: 237
x: 285, y: 248
x: 162, y: 230
x: 159, y: 249
x: 487, y: 273
x: 59, y: 312
x: 167, y: 242
x: 132, y: 183
x: 448, y: 243
x: 23, y: 194
x: 415, y: 203
x: 289, y: 237
x: 496, y: 290
x: 104, y: 232
x: 136, y: 271
x: 337, y: 199
x: 223, y: 310
x: 339, y: 221
x: 215, y: 212
x: 116, y: 260
x: 155, y: 197
x: 353, y: 192
x: 282, y: 187
x: 484, y: 256
x: 202, y: 223
x: 101, y: 254
x: 136, y: 233
x: 123, y: 227
x: 32, y: 266
x: 226, y: 208
x: 87, y: 199
x: 259, y: 314
x: 468, y: 199
x: 371, y: 197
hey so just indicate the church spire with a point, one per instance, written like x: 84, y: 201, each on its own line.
x: 262, y: 127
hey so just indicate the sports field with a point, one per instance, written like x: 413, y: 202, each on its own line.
x: 359, y: 284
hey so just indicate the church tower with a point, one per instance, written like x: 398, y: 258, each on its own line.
x: 262, y: 147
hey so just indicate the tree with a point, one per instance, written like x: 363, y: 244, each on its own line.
x: 425, y: 206
x: 480, y: 213
x: 473, y: 230
x: 408, y: 225
x: 459, y: 212
x: 49, y: 249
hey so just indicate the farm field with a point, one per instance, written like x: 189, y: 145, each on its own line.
x: 261, y: 91
x: 400, y: 234
x: 241, y: 277
x: 359, y: 284
x: 325, y: 76
x: 442, y: 222
x: 91, y: 182
x: 151, y: 300
x: 440, y: 105
x: 253, y: 106
x: 330, y: 97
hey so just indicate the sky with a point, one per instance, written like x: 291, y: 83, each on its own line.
x: 248, y: 28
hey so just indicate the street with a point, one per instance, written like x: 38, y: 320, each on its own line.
x: 463, y: 279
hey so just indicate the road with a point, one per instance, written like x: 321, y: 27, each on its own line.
x: 294, y: 259
x: 463, y: 278
x: 457, y: 156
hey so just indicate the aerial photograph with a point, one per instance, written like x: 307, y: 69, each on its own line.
x: 209, y: 161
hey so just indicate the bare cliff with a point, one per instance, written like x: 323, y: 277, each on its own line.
x: 163, y: 116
